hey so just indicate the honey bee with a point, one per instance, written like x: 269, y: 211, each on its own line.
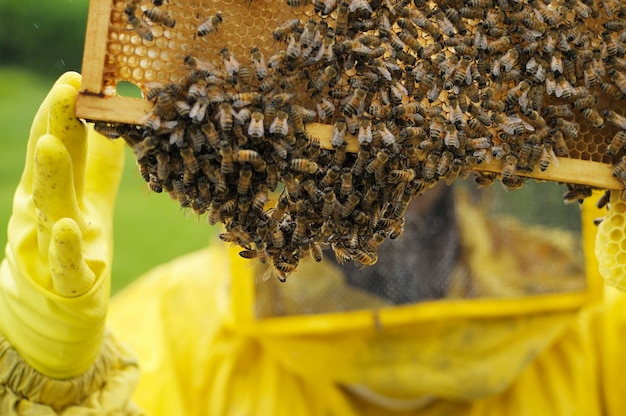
x: 210, y: 24
x: 286, y: 29
x: 141, y: 27
x: 341, y: 253
x: 365, y: 258
x: 160, y: 17
x: 339, y: 132
x: 499, y: 45
x: 244, y: 181
x: 231, y: 65
x: 346, y: 182
x: 386, y: 136
x: 484, y: 178
x: 493, y: 105
x: 501, y: 150
x: 568, y: 128
x: 331, y: 176
x: 619, y: 170
x: 444, y: 163
x: 141, y: 148
x: 614, y: 118
x: 304, y: 165
x: 255, y: 128
x: 163, y: 167
x: 593, y: 116
x: 330, y: 202
x: 547, y: 157
x: 225, y: 117
x: 585, y: 101
x: 278, y: 238
x: 377, y: 162
x: 329, y: 74
x: 401, y: 175
x: 516, y: 94
x: 282, y: 270
x: 259, y: 64
x: 560, y: 146
x: 279, y: 125
x: 510, y: 166
x: 341, y: 21
x: 561, y: 110
x: 325, y: 109
x: 348, y: 207
x: 617, y: 142
x: 211, y: 134
x: 190, y: 161
x: 294, y: 48
x: 227, y: 164
x: 110, y: 131
x: 576, y: 193
x: 356, y: 103
x: 260, y: 199
x: 611, y: 90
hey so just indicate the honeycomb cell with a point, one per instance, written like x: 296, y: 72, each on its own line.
x: 617, y: 220
x: 618, y: 207
x: 141, y: 51
x: 149, y: 74
x: 114, y: 48
x: 612, y: 249
x: 616, y: 235
x: 161, y: 43
x: 135, y: 40
x: 137, y: 73
x: 133, y: 61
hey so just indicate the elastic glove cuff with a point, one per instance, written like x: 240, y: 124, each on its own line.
x: 106, y: 388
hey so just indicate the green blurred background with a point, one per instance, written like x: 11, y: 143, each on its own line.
x: 39, y: 40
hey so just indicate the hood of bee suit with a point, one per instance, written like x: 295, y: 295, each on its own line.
x: 514, y: 287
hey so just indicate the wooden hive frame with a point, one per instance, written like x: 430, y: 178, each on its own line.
x: 94, y: 104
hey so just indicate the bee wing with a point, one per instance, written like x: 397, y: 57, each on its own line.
x: 553, y: 159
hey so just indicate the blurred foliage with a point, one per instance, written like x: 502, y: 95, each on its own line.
x: 46, y: 36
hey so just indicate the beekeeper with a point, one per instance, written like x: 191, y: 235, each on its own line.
x: 460, y: 316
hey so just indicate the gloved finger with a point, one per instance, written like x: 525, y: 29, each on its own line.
x: 71, y: 276
x: 53, y: 188
x: 63, y: 124
x: 105, y: 163
x: 39, y: 126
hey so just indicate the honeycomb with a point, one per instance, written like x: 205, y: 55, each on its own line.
x: 351, y: 109
x: 611, y: 243
x: 129, y: 57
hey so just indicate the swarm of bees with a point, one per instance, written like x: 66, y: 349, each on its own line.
x: 428, y: 89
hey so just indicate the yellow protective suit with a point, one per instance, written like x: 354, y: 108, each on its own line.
x: 208, y: 346
x: 213, y: 338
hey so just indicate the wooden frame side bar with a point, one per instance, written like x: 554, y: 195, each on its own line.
x: 94, y: 53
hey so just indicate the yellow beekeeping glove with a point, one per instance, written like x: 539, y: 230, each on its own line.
x: 54, y: 281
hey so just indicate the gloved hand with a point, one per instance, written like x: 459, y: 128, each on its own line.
x: 55, y: 279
